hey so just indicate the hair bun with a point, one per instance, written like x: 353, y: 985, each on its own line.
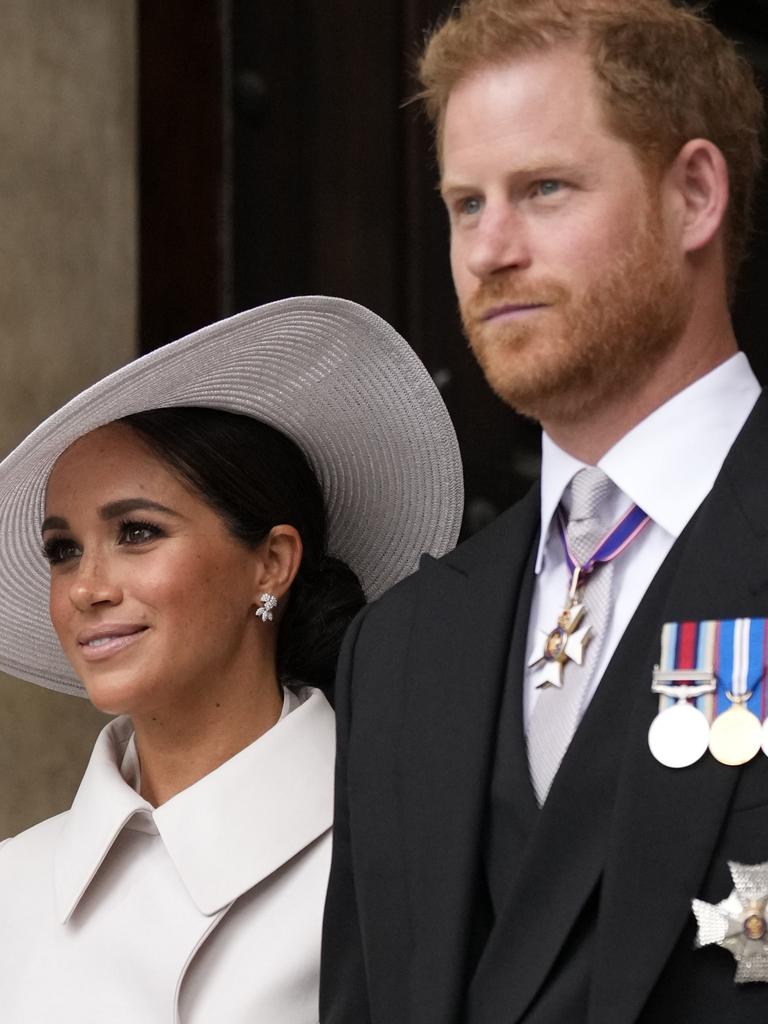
x: 324, y: 599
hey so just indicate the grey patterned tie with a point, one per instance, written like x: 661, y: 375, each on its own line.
x: 558, y: 711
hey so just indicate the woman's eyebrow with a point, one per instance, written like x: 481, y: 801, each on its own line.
x: 124, y: 505
x: 112, y: 511
x: 54, y: 523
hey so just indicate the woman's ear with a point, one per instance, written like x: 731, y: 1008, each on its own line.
x: 279, y: 558
x: 699, y: 179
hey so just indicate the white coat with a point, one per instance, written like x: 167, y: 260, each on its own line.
x: 207, y: 909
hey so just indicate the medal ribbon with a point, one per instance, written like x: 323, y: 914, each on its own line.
x: 735, y: 651
x: 618, y: 538
x: 742, y: 661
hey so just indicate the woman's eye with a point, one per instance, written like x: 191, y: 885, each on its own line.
x: 60, y: 549
x: 138, y: 533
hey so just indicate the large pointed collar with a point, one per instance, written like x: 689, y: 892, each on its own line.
x: 669, y: 462
x: 104, y: 804
x: 225, y: 833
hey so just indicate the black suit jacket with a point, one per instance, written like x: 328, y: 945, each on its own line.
x: 620, y: 837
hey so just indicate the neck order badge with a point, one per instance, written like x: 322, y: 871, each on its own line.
x: 565, y: 642
x: 712, y: 692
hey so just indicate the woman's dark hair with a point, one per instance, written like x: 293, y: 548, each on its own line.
x: 254, y: 477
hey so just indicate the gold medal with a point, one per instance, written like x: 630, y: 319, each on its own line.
x: 736, y: 735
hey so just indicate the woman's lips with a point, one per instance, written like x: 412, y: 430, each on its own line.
x: 106, y: 641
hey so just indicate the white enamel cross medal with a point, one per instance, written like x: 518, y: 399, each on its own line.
x: 564, y: 643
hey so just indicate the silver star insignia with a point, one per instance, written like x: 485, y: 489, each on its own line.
x: 739, y: 922
x: 561, y: 645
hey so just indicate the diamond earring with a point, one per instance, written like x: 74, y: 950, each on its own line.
x: 268, y: 601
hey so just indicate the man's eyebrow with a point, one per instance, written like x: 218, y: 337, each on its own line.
x: 112, y: 511
x: 536, y: 169
x: 445, y: 188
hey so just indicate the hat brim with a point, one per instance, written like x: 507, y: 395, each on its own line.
x: 328, y: 373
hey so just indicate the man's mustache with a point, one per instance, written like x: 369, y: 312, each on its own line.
x: 498, y: 296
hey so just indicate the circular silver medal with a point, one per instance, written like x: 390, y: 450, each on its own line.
x: 765, y: 737
x: 735, y: 736
x: 679, y: 736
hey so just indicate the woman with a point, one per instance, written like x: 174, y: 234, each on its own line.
x: 209, y: 514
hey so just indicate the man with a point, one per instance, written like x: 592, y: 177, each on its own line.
x: 510, y: 845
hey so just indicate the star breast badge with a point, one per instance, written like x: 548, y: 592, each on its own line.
x: 739, y: 923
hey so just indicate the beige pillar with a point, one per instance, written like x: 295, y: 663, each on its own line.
x: 68, y: 293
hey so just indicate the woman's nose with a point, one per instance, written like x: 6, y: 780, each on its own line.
x: 94, y: 584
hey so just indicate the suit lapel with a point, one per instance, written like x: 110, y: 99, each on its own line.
x: 566, y: 851
x: 666, y: 822
x: 457, y: 666
x: 517, y: 775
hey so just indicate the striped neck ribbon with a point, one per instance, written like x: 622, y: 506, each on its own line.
x: 618, y: 539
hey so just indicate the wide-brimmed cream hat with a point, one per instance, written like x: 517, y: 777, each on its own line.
x: 332, y: 376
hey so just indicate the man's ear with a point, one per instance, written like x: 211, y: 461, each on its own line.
x: 699, y: 178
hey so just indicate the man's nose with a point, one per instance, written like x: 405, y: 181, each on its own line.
x: 94, y: 583
x: 500, y: 242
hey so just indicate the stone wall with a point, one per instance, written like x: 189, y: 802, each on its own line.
x: 68, y: 297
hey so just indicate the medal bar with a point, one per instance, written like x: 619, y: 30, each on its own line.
x: 710, y: 682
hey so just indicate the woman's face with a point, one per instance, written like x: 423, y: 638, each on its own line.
x: 151, y: 597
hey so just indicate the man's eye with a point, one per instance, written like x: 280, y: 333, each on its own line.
x: 549, y: 187
x: 60, y: 549
x: 470, y: 206
x: 138, y: 532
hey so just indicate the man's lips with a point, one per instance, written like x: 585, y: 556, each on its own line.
x: 107, y: 639
x: 511, y: 309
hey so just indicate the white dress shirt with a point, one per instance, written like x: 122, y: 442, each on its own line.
x: 667, y: 465
x: 205, y: 909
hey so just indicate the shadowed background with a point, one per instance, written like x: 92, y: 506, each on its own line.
x: 68, y: 296
x: 166, y: 164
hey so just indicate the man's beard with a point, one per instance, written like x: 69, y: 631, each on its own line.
x: 586, y: 348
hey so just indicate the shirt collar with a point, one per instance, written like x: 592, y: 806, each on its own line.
x: 668, y: 463
x: 225, y: 833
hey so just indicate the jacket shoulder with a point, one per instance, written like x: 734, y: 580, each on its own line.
x: 388, y: 615
x: 518, y: 520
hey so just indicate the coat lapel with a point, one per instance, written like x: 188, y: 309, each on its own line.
x: 666, y: 822
x: 457, y: 667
